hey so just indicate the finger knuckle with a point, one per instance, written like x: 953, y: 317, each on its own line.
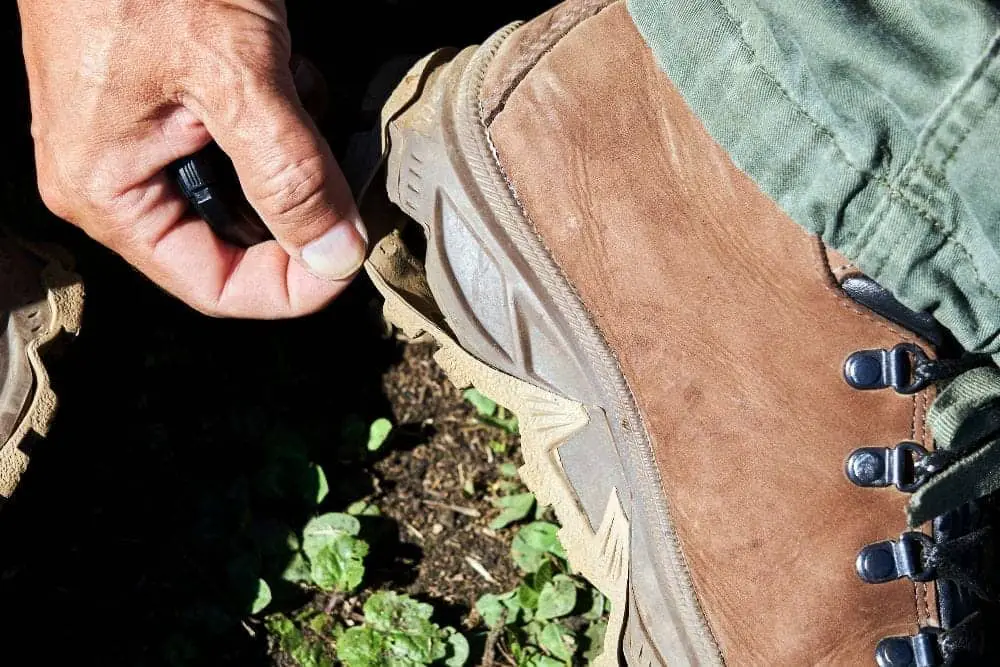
x: 53, y: 196
x: 295, y: 188
x: 52, y: 188
x: 110, y: 214
x: 257, y: 60
x: 233, y: 73
x: 79, y: 190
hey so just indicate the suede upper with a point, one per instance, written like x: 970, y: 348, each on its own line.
x: 731, y: 331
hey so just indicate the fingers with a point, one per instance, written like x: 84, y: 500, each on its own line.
x: 147, y: 223
x: 90, y: 181
x: 115, y: 101
x: 184, y: 256
x: 291, y: 179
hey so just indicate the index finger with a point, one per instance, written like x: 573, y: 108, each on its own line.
x: 184, y: 256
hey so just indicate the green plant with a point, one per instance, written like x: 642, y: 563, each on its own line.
x: 263, y: 597
x: 378, y: 433
x: 514, y: 508
x: 335, y: 553
x: 489, y: 412
x: 535, y: 544
x: 398, y: 632
x: 534, y: 616
x: 355, y: 432
x: 553, y: 617
x: 304, y: 647
x: 331, y: 555
x: 363, y: 508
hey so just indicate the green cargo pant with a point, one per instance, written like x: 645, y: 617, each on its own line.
x: 874, y: 123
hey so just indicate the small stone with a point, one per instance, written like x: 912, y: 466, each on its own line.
x: 437, y: 529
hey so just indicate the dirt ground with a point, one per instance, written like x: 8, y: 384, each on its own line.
x: 436, y: 491
x: 181, y: 443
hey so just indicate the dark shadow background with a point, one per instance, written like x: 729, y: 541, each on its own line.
x: 180, y: 451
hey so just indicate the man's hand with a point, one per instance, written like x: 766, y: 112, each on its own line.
x: 122, y: 88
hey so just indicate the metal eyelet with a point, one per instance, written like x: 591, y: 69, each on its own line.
x: 877, y: 467
x: 890, y: 560
x: 907, y: 369
x: 883, y: 369
x: 919, y: 650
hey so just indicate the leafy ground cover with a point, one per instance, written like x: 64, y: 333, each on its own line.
x: 492, y: 585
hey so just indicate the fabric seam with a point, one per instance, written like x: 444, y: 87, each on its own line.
x: 977, y: 74
x: 894, y: 192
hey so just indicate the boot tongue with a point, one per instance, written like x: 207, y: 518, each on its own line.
x: 873, y: 296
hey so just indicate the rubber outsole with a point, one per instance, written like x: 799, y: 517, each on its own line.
x: 546, y: 421
x: 42, y: 323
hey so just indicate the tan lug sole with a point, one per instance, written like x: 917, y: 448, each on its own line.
x: 40, y: 323
x: 546, y: 422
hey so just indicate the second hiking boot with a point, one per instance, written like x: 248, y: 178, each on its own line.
x: 40, y: 298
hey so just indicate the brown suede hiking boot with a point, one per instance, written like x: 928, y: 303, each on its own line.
x: 40, y: 297
x: 708, y: 396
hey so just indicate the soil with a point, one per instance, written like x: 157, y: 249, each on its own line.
x: 438, y: 491
x: 182, y: 445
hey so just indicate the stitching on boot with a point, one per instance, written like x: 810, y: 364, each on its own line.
x: 622, y: 392
x: 689, y: 587
x: 829, y: 281
x: 916, y: 603
x: 928, y: 441
x: 522, y: 66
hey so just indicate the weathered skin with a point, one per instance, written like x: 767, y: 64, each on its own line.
x: 121, y: 88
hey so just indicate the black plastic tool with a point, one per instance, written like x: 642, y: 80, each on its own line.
x: 208, y: 181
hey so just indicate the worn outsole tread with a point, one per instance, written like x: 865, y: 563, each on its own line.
x: 546, y: 422
x: 65, y: 300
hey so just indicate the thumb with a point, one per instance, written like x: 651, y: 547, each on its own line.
x: 291, y: 179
